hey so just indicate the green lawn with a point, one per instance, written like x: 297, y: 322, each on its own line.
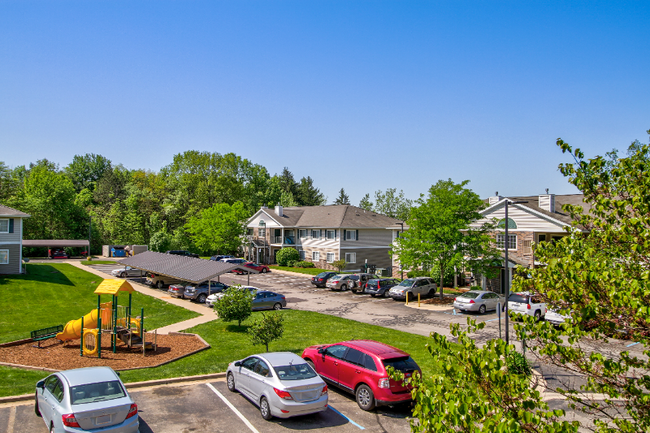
x: 97, y: 262
x: 302, y: 329
x: 308, y: 271
x: 53, y: 294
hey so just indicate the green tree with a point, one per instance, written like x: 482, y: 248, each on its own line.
x: 339, y: 264
x: 342, y: 198
x: 601, y: 280
x: 235, y: 305
x: 219, y: 229
x: 366, y: 203
x: 85, y: 171
x: 439, y: 233
x: 307, y: 194
x: 287, y: 182
x: 268, y: 328
x: 477, y: 390
x: 8, y: 183
x: 392, y: 204
x: 286, y: 256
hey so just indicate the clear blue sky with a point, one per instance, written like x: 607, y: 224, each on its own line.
x: 364, y: 95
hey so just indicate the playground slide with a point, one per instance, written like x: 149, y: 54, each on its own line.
x: 72, y: 329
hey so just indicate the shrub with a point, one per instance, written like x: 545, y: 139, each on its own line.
x: 286, y: 255
x: 417, y: 273
x: 236, y: 305
x: 267, y: 328
x: 304, y: 265
x: 476, y: 288
x: 339, y: 264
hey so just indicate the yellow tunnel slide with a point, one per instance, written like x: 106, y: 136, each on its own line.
x: 72, y: 329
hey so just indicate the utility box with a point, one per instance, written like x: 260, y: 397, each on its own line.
x: 137, y: 249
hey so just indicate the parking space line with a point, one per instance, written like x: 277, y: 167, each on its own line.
x: 351, y: 422
x: 492, y: 320
x: 233, y: 408
x: 12, y: 419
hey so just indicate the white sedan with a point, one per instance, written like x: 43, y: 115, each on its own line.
x: 281, y: 384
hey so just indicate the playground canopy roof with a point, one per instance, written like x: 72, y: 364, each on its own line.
x: 113, y: 287
x: 55, y: 243
x: 180, y: 267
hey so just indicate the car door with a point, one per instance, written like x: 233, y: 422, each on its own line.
x: 350, y: 368
x: 257, y: 379
x: 261, y: 301
x: 329, y: 361
x: 245, y: 371
x: 46, y: 398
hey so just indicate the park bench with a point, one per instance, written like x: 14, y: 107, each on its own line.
x: 45, y: 333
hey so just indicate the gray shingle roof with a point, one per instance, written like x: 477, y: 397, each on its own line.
x: 559, y: 214
x: 334, y: 216
x: 6, y: 211
x: 55, y: 243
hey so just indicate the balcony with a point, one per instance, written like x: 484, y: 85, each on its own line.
x: 288, y: 240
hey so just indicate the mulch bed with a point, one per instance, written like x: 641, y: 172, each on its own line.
x: 53, y: 354
x: 437, y: 301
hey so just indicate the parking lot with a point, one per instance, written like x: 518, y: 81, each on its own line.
x: 202, y: 407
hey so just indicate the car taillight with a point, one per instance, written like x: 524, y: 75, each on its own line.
x: 283, y: 394
x: 384, y: 383
x: 471, y: 301
x: 133, y: 411
x: 69, y: 420
x: 324, y: 390
x: 283, y: 297
x: 528, y: 306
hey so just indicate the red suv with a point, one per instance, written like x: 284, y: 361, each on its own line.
x: 359, y: 366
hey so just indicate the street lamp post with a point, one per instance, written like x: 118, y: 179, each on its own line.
x: 506, y: 267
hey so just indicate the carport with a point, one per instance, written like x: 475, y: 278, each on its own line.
x: 57, y: 243
x: 182, y: 268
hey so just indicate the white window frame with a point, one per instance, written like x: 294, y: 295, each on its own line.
x: 330, y: 232
x: 512, y: 241
x: 6, y: 261
x: 315, y: 234
x: 1, y: 221
x: 303, y: 255
x: 330, y: 257
x: 351, y: 235
x: 315, y: 256
x: 302, y: 234
x: 261, y: 232
x: 350, y: 257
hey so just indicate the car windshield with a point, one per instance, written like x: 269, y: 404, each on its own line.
x: 406, y: 283
x: 94, y: 392
x: 295, y: 372
x: 401, y: 364
x: 470, y: 295
x: 520, y: 299
x: 322, y: 274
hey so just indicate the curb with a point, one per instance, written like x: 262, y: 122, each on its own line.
x: 133, y: 385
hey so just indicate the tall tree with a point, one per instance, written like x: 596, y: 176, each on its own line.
x: 287, y: 182
x: 8, y: 183
x: 218, y: 229
x: 392, y: 204
x: 85, y: 171
x: 439, y: 231
x: 342, y: 198
x: 366, y: 203
x: 307, y: 194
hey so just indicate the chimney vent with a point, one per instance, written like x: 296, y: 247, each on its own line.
x: 278, y: 210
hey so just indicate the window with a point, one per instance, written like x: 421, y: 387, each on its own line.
x: 351, y: 235
x: 315, y: 234
x: 262, y: 369
x: 4, y: 226
x: 249, y: 363
x: 302, y: 234
x: 302, y: 254
x: 511, y: 224
x: 526, y: 247
x: 315, y: 256
x: 336, y: 351
x: 261, y: 232
x: 249, y: 232
x: 541, y: 238
x: 512, y: 242
x: 330, y: 257
x: 353, y: 356
x: 330, y: 234
x: 4, y: 257
x: 351, y: 257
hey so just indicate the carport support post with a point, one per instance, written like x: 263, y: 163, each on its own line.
x: 142, y: 328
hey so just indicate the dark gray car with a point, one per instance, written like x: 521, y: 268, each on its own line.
x: 200, y: 293
x: 265, y: 300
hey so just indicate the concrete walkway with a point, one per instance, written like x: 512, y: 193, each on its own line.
x: 206, y: 314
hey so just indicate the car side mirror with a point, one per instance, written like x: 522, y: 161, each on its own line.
x: 321, y: 350
x: 238, y: 364
x: 40, y: 384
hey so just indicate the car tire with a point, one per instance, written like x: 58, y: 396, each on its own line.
x: 365, y: 397
x: 353, y: 290
x: 264, y: 270
x: 160, y: 284
x: 538, y: 315
x: 372, y: 295
x: 36, y: 409
x: 311, y: 364
x: 123, y: 275
x: 201, y: 299
x: 230, y: 381
x: 344, y: 287
x: 277, y: 306
x: 265, y: 409
x: 481, y: 309
x: 432, y: 293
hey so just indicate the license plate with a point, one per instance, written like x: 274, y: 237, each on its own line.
x: 103, y: 419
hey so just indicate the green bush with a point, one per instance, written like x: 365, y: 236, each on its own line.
x: 417, y: 273
x: 287, y: 255
x: 304, y: 265
x: 476, y: 288
x: 339, y: 264
x: 518, y: 364
x: 236, y: 305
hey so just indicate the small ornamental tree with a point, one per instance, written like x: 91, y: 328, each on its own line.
x: 236, y: 305
x: 339, y: 264
x: 267, y: 328
x: 287, y: 255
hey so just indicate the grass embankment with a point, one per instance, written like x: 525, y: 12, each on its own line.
x: 97, y: 262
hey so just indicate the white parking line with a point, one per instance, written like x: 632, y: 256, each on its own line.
x: 233, y: 408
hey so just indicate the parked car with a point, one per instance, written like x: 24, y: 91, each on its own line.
x: 255, y: 266
x: 281, y: 384
x: 213, y: 298
x: 160, y: 281
x: 478, y: 300
x: 320, y: 280
x: 92, y: 398
x: 265, y: 300
x: 410, y: 288
x: 200, y: 292
x: 128, y: 271
x: 178, y: 290
x: 361, y: 281
x: 219, y: 258
x: 234, y: 261
x: 184, y: 253
x: 359, y: 367
x: 526, y: 303
x: 59, y: 254
x: 555, y: 318
x: 341, y: 282
x: 380, y: 286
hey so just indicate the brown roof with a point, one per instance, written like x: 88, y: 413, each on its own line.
x: 335, y: 216
x: 6, y: 211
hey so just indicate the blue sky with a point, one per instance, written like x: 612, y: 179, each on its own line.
x: 365, y: 95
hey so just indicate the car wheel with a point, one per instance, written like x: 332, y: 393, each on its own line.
x: 201, y: 298
x: 160, y: 285
x: 432, y: 293
x: 36, y: 410
x: 123, y: 275
x: 231, y: 383
x: 353, y: 290
x: 372, y: 295
x: 365, y: 398
x: 277, y: 306
x: 265, y: 410
x: 264, y: 270
x: 538, y: 315
x: 481, y: 309
x: 344, y: 287
x: 311, y: 364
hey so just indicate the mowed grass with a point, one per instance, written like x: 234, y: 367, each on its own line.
x: 308, y: 271
x: 229, y: 342
x: 53, y: 294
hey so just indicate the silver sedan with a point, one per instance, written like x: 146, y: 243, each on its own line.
x: 128, y: 271
x: 281, y: 384
x: 86, y: 399
x: 478, y: 301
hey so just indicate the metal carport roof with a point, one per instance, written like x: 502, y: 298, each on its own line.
x: 61, y: 243
x: 181, y: 267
